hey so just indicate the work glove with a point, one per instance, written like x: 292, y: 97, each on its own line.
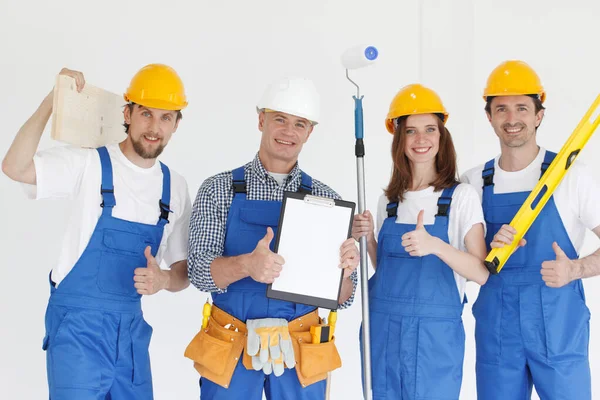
x: 277, y: 365
x: 270, y: 345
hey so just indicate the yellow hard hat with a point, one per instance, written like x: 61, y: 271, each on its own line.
x: 514, y: 78
x: 157, y: 86
x: 414, y: 99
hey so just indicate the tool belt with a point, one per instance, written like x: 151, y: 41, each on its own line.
x: 216, y: 350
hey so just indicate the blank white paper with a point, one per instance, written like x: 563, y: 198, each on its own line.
x: 310, y: 240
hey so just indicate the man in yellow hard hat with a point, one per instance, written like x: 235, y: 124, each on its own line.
x: 532, y: 323
x: 233, y: 223
x: 130, y: 213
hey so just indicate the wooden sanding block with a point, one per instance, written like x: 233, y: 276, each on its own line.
x: 91, y: 118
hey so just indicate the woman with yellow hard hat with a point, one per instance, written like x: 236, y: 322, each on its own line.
x: 430, y: 241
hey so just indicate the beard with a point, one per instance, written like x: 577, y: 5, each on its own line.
x: 142, y: 152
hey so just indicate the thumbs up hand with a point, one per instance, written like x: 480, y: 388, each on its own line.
x: 559, y: 272
x: 264, y: 265
x: 151, y: 278
x: 419, y: 243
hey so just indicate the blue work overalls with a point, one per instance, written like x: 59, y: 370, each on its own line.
x: 245, y: 299
x: 417, y: 334
x: 526, y: 332
x: 96, y: 337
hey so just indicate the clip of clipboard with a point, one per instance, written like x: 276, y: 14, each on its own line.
x: 310, y: 232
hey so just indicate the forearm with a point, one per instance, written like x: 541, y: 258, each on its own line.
x: 227, y: 270
x: 178, y: 277
x: 372, y: 251
x: 588, y: 266
x: 18, y: 162
x: 463, y: 263
x: 347, y: 290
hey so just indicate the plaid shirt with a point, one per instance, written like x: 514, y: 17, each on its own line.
x: 211, y: 207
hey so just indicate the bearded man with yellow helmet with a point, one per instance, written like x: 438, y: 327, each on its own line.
x: 129, y: 213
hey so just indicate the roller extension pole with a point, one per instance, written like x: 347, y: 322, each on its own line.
x: 353, y: 58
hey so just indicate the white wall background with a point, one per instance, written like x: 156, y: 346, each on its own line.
x: 227, y: 52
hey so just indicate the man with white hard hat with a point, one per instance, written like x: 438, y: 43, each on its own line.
x: 234, y: 219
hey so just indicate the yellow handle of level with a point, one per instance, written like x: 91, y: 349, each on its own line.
x: 545, y: 187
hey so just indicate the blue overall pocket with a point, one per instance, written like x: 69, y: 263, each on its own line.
x: 440, y: 356
x: 254, y: 222
x: 141, y: 334
x: 567, y: 322
x: 487, y: 311
x: 123, y: 253
x: 404, y: 276
x: 73, y: 357
x: 244, y: 233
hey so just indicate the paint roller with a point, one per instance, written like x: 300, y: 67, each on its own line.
x: 358, y: 57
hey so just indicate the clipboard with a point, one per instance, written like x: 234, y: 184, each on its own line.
x: 90, y: 119
x: 310, y: 232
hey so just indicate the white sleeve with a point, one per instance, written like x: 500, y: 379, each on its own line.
x: 177, y: 242
x: 59, y: 171
x: 470, y: 212
x: 474, y: 179
x: 588, y: 195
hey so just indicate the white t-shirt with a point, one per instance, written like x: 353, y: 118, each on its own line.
x: 465, y: 212
x: 74, y: 173
x: 280, y: 178
x: 575, y: 198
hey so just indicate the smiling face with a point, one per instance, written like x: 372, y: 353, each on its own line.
x: 422, y: 141
x: 423, y: 154
x: 150, y: 129
x: 514, y: 120
x: 283, y: 136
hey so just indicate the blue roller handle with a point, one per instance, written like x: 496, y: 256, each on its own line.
x: 358, y: 117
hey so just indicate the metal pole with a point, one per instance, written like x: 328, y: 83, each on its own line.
x: 359, y: 150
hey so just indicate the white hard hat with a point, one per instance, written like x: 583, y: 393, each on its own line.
x: 295, y: 96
